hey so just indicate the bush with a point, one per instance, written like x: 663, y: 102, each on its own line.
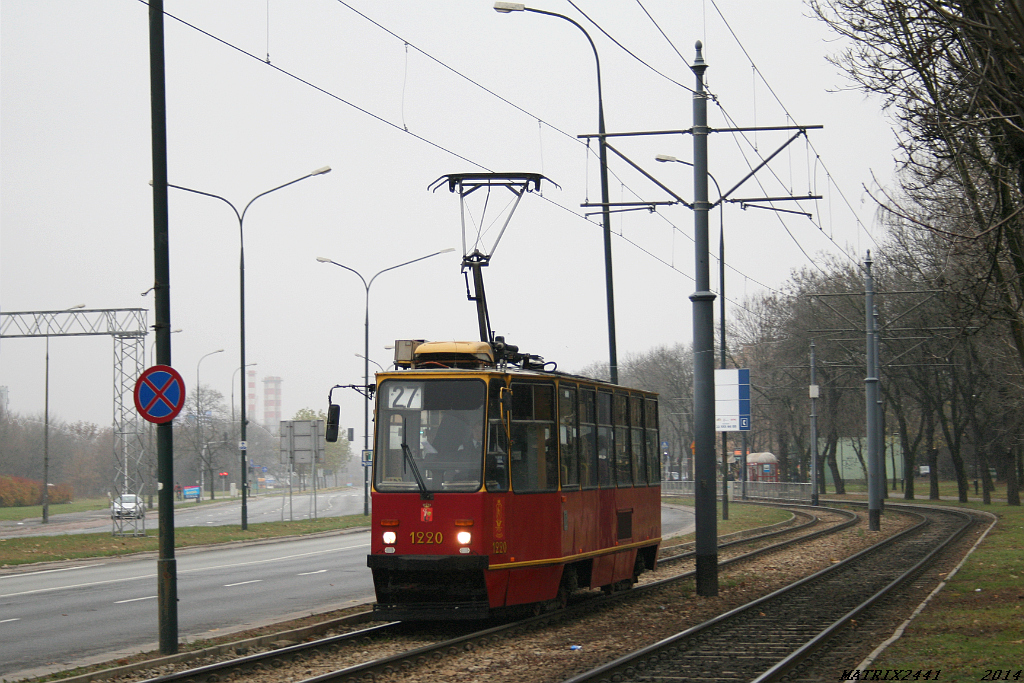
x: 21, y: 492
x: 61, y: 493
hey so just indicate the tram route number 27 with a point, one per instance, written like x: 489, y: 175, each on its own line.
x: 406, y: 396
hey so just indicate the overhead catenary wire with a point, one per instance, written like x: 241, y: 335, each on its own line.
x: 753, y: 145
x: 540, y: 121
x: 439, y: 146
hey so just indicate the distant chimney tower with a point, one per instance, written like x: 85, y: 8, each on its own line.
x: 250, y: 395
x: 272, y: 402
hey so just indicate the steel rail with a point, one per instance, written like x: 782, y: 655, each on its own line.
x: 421, y: 655
x: 645, y: 661
x: 791, y: 662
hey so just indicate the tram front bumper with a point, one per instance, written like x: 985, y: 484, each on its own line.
x: 421, y: 587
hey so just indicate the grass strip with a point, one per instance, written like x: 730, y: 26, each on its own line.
x: 741, y: 516
x: 23, y: 550
x: 972, y: 629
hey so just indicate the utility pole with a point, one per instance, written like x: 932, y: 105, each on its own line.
x: 814, y: 431
x: 705, y: 466
x: 871, y: 400
x: 167, y: 572
x: 703, y: 350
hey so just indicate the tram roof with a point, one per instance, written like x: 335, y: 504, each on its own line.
x: 513, y: 371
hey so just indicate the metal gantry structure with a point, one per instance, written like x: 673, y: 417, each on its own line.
x: 127, y: 327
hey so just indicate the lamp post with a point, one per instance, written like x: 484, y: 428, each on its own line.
x: 665, y: 158
x: 359, y: 355
x: 152, y: 348
x: 199, y: 421
x: 606, y: 218
x: 366, y: 359
x: 241, y: 307
x: 46, y: 428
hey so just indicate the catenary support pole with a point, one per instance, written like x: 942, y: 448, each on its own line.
x: 814, y: 430
x: 879, y: 422
x: 871, y: 400
x: 703, y: 351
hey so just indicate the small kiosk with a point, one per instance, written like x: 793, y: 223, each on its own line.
x: 762, y: 467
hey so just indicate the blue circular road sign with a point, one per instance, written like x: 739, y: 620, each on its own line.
x: 159, y: 394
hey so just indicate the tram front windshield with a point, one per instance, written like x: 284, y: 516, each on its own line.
x: 430, y: 433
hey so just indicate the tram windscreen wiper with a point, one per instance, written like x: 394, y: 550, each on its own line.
x: 424, y: 493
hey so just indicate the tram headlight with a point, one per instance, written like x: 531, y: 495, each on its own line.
x: 464, y: 537
x: 390, y: 537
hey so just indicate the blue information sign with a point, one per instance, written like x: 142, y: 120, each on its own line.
x: 159, y: 394
x: 732, y: 400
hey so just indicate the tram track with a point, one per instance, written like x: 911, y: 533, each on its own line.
x: 777, y: 637
x: 390, y: 650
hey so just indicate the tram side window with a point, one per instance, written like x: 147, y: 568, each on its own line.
x: 496, y: 463
x: 639, y: 445
x: 568, y: 436
x: 605, y: 441
x: 588, y: 438
x: 534, y: 446
x: 653, y: 451
x: 623, y: 466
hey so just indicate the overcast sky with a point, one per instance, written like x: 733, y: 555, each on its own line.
x: 393, y: 95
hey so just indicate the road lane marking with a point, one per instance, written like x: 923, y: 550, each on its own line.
x: 180, y: 572
x: 319, y: 571
x: 4, y: 621
x: 50, y: 571
x: 241, y: 583
x: 121, y: 602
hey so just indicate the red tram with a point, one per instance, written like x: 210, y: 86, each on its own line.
x: 496, y: 486
x: 497, y: 483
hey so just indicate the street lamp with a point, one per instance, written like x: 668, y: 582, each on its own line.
x: 667, y: 158
x: 152, y: 348
x: 46, y: 426
x: 606, y: 217
x: 366, y: 359
x: 241, y: 306
x: 359, y: 355
x: 199, y: 419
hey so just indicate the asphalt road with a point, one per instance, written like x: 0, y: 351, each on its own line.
x: 263, y: 508
x: 56, y: 618
x: 68, y: 614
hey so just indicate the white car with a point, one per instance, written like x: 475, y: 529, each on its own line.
x: 128, y: 505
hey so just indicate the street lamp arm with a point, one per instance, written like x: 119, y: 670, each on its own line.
x: 600, y: 104
x: 210, y: 194
x: 319, y: 171
x: 323, y: 259
x: 666, y: 157
x: 443, y: 251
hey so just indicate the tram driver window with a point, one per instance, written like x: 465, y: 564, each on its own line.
x: 605, y: 441
x: 496, y: 463
x: 534, y: 445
